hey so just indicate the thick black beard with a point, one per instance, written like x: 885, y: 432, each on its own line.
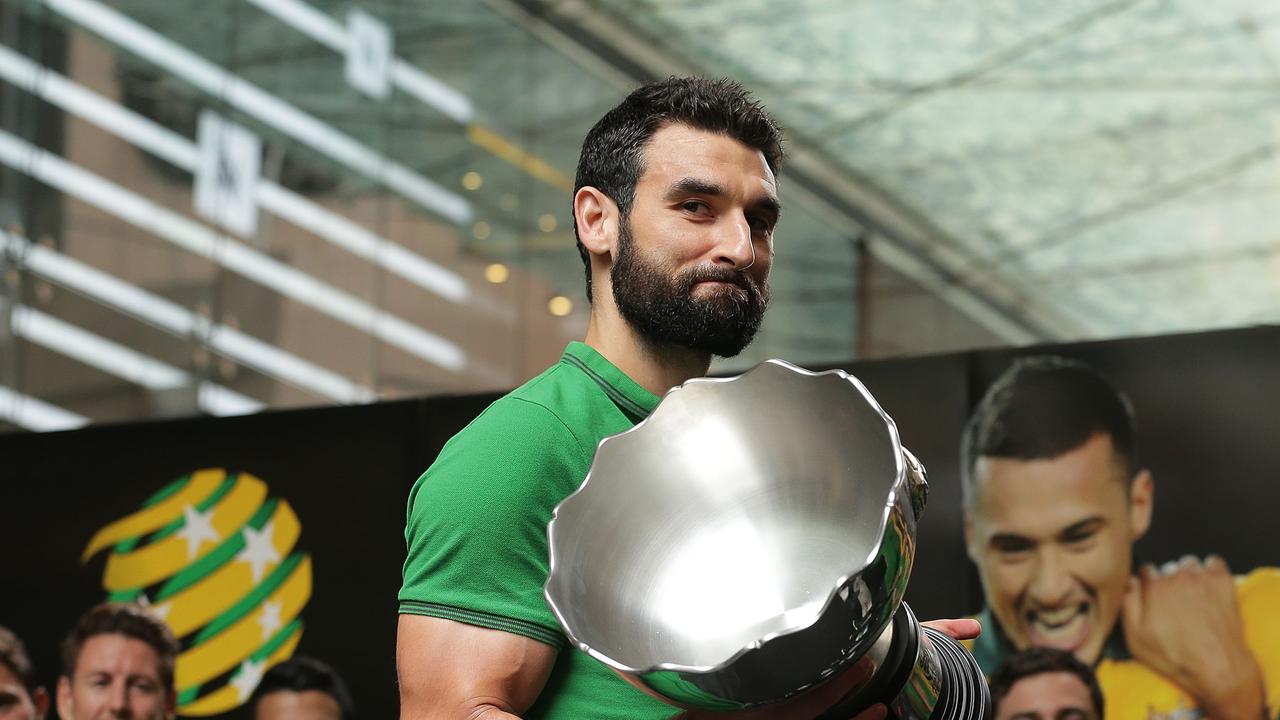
x: 663, y: 310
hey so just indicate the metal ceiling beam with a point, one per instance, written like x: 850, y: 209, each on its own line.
x: 901, y: 238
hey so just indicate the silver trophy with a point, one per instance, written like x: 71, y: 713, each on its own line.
x: 748, y: 540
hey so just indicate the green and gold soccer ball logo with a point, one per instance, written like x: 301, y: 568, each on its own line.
x: 216, y: 558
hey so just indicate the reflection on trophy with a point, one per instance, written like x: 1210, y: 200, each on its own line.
x: 751, y: 538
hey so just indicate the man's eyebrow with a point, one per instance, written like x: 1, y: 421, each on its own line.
x: 694, y: 186
x: 1002, y: 539
x: 1083, y: 526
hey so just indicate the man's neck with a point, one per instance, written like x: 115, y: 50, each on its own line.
x: 657, y: 368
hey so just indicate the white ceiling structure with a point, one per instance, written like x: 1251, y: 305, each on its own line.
x: 1067, y: 170
x: 1056, y: 171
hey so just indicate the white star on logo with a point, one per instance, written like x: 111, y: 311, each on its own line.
x: 247, y: 679
x: 270, y: 618
x: 259, y: 550
x: 197, y: 528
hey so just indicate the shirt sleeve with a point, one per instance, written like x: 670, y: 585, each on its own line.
x: 1259, y: 596
x: 477, y: 519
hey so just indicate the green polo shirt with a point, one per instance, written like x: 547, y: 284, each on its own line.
x: 477, y: 522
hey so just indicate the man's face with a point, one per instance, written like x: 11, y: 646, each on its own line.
x: 1052, y: 538
x: 693, y: 257
x: 15, y: 702
x: 1047, y: 696
x: 305, y: 705
x: 115, y: 676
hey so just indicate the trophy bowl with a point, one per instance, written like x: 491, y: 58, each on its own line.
x: 749, y: 539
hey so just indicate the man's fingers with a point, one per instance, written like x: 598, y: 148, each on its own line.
x: 966, y: 629
x: 1170, y: 567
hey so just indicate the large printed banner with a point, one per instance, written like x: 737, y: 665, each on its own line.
x: 260, y: 537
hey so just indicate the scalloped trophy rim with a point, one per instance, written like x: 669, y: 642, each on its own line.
x: 840, y: 581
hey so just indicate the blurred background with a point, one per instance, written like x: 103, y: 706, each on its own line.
x: 226, y: 206
x: 223, y: 207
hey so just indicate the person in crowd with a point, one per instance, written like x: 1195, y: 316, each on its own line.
x: 20, y: 697
x: 1045, y: 684
x: 118, y: 662
x: 1054, y: 498
x: 301, y: 688
x: 675, y: 207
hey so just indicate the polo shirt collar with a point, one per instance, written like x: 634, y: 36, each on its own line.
x: 627, y: 393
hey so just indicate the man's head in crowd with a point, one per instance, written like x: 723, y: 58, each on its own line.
x: 118, y: 663
x: 674, y: 210
x: 1054, y: 500
x: 1045, y: 684
x: 20, y: 697
x: 301, y: 689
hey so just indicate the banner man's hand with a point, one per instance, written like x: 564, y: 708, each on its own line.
x: 1185, y: 623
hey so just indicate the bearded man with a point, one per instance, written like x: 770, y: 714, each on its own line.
x: 675, y: 208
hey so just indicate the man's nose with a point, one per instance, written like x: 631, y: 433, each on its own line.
x: 1050, y: 580
x: 118, y: 700
x: 733, y: 244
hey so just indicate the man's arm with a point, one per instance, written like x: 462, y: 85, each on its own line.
x: 453, y: 671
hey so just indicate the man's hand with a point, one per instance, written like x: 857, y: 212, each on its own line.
x: 1185, y: 624
x: 812, y: 703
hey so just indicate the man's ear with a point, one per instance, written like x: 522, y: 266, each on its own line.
x: 1142, y: 490
x: 65, y: 709
x: 171, y: 704
x: 968, y: 534
x: 596, y: 217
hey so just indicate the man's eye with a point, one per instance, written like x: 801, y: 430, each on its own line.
x: 1079, y: 539
x: 694, y: 206
x: 1012, y: 548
